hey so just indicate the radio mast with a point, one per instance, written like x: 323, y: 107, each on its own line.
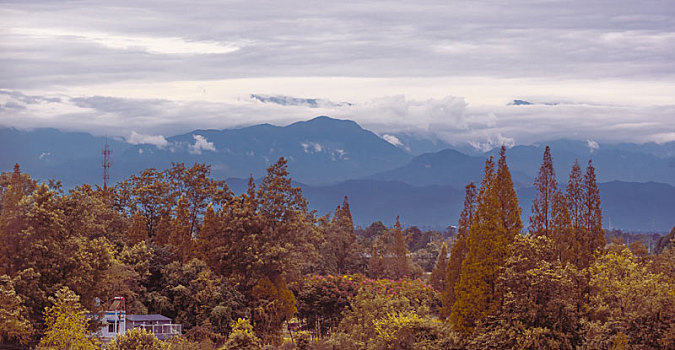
x: 107, y: 151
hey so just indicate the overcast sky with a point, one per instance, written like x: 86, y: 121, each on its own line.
x: 598, y: 70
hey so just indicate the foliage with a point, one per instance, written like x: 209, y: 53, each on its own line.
x: 378, y: 298
x: 66, y: 324
x: 274, y: 304
x: 321, y: 300
x: 339, y: 252
x: 192, y: 295
x: 437, y: 278
x: 14, y: 326
x: 541, y: 220
x: 496, y: 224
x: 539, y: 301
x: 136, y: 339
x: 242, y: 337
x: 410, y: 331
x: 458, y: 250
x: 179, y: 243
x: 626, y: 298
x: 666, y: 242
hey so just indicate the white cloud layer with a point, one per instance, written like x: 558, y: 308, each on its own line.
x: 593, y: 69
x: 450, y: 119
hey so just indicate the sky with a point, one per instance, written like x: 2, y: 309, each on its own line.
x: 601, y: 71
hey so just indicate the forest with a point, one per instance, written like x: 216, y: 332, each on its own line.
x: 260, y: 270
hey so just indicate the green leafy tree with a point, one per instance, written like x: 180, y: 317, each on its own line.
x: 15, y: 329
x: 14, y: 205
x: 136, y: 339
x: 539, y: 307
x: 322, y: 300
x: 377, y: 299
x: 198, y: 190
x: 193, y: 295
x: 274, y: 305
x: 407, y: 330
x: 147, y: 194
x: 242, y: 337
x: 628, y: 300
x: 66, y: 324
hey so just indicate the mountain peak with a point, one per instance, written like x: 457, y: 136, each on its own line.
x: 327, y: 122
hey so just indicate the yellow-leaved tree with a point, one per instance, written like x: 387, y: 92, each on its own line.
x: 66, y: 324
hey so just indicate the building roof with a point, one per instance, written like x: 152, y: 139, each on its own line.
x: 151, y: 317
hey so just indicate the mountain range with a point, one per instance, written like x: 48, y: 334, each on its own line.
x: 419, y: 178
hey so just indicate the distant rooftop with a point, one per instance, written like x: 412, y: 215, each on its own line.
x: 151, y: 317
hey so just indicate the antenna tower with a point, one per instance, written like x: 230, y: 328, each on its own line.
x: 107, y: 151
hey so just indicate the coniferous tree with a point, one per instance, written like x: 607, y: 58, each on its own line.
x: 208, y: 240
x: 458, y: 250
x: 508, y: 200
x: 180, y: 237
x: 472, y: 289
x: 437, y: 278
x: 497, y: 223
x: 288, y: 239
x: 550, y: 213
x: 399, y: 261
x: 339, y: 249
x: 541, y: 220
x: 574, y: 200
x: 594, y: 236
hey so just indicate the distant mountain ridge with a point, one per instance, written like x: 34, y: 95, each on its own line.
x: 333, y: 158
x: 321, y: 150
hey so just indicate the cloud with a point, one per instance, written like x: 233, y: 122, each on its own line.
x: 155, y: 45
x: 294, y: 101
x: 592, y: 145
x: 492, y: 142
x: 392, y: 139
x: 311, y: 147
x: 448, y: 118
x: 201, y: 144
x: 547, y: 40
x: 136, y: 139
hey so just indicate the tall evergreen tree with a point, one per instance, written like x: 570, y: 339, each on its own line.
x: 508, y: 200
x: 437, y: 278
x: 497, y: 223
x: 458, y: 250
x: 550, y: 213
x: 399, y: 261
x: 574, y: 201
x: 594, y: 236
x: 541, y: 220
x: 339, y: 251
x: 180, y: 237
